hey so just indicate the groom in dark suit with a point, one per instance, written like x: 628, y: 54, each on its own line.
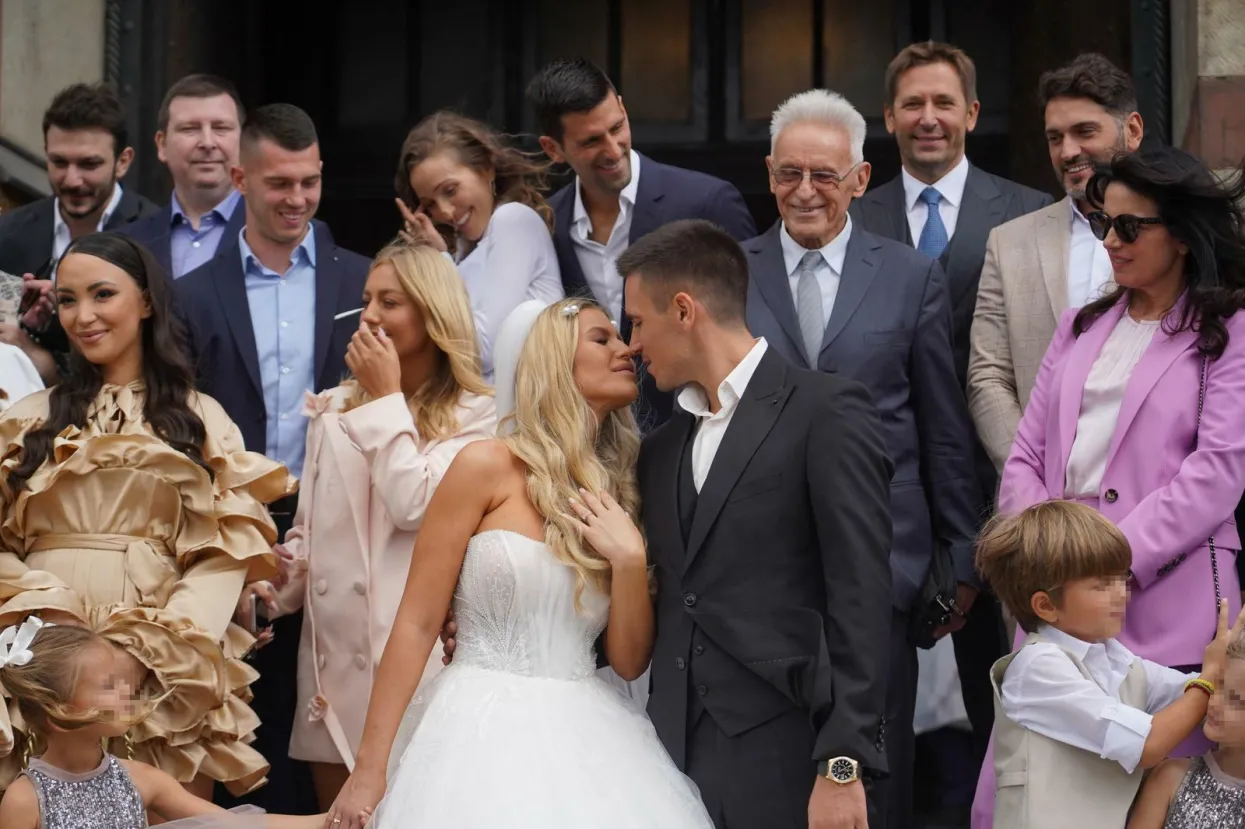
x: 767, y: 513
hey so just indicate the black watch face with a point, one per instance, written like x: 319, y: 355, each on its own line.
x: 842, y: 770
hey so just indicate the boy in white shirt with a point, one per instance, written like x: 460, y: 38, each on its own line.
x: 1078, y: 717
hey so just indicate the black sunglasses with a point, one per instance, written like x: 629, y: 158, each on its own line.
x: 1127, y: 227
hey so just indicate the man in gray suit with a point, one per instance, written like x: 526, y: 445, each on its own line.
x: 931, y: 106
x: 830, y: 295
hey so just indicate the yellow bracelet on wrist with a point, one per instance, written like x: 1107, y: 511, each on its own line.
x: 1205, y: 684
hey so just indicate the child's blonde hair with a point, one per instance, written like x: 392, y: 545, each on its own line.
x: 43, y: 686
x: 1043, y: 548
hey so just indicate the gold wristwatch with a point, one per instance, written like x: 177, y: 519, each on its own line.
x: 840, y: 770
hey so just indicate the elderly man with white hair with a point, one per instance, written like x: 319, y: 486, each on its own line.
x: 833, y: 297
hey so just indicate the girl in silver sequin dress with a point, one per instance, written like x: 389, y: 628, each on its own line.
x: 69, y: 690
x: 1205, y: 792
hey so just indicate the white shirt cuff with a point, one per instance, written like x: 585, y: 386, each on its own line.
x: 1127, y: 730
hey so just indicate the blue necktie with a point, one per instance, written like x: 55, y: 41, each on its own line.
x: 933, y: 239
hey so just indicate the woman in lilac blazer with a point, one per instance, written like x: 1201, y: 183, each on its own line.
x: 1113, y: 421
x: 377, y: 446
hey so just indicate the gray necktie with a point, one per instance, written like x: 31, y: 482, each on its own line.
x: 808, y: 306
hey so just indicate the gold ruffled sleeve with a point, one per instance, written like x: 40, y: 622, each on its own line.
x: 203, y: 724
x: 24, y: 591
x: 227, y: 542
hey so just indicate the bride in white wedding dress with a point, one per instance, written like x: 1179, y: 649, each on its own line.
x: 532, y: 539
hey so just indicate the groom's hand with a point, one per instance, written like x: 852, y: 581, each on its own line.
x: 447, y: 638
x: 837, y: 807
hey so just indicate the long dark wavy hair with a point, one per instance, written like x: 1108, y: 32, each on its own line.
x: 167, y: 372
x: 1199, y: 209
x: 519, y: 176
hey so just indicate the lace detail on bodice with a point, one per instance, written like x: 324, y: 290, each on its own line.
x: 515, y: 610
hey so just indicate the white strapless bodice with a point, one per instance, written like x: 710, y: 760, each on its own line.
x: 515, y: 610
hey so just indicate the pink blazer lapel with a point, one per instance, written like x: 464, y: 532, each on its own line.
x: 1162, y: 352
x: 352, y: 467
x: 1081, y: 359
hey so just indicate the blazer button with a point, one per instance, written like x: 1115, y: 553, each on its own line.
x: 320, y: 661
x: 679, y: 663
x: 1112, y: 496
x: 360, y: 661
x: 702, y: 690
x: 689, y: 599
x: 698, y: 650
x: 360, y: 588
x: 322, y: 587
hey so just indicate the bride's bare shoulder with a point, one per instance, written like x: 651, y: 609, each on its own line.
x: 491, y: 458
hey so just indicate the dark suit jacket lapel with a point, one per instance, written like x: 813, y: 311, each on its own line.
x: 329, y: 283
x: 773, y: 284
x: 36, y: 243
x: 897, y: 210
x: 981, y: 209
x: 662, y: 506
x: 649, y: 193
x: 128, y: 209
x: 573, y: 281
x: 229, y: 279
x: 758, y: 410
x: 860, y: 266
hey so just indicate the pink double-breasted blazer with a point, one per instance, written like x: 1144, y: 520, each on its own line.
x: 367, y: 480
x: 1169, y: 485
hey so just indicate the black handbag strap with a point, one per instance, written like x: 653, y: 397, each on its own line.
x: 1201, y: 402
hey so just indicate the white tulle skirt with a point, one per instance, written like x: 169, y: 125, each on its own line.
x: 483, y: 749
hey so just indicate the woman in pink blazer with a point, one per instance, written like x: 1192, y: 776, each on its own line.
x: 1114, y: 418
x: 377, y: 446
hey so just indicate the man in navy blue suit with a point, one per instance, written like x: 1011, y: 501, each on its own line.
x: 198, y: 129
x: 618, y: 195
x: 263, y: 320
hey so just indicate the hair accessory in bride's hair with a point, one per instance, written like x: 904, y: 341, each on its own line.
x: 570, y: 310
x: 15, y: 642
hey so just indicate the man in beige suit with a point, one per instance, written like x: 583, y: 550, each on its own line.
x: 1044, y: 262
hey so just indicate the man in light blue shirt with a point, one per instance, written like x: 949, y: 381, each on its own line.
x: 270, y: 320
x: 198, y: 135
x: 283, y: 312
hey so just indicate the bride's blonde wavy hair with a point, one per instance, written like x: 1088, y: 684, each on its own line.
x: 432, y: 282
x: 557, y: 437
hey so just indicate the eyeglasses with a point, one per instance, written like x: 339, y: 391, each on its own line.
x: 1127, y: 226
x: 822, y: 179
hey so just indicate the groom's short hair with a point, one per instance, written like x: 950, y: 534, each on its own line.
x: 694, y: 256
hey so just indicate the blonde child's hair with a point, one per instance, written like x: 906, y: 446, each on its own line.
x: 43, y: 686
x: 1043, y: 548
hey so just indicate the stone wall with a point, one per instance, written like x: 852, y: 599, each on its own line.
x: 1208, y: 79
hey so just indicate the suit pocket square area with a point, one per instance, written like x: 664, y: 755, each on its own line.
x: 785, y: 648
x: 901, y: 336
x: 748, y: 487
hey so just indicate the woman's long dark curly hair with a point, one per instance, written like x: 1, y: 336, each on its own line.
x: 167, y: 372
x: 519, y: 176
x: 1199, y: 209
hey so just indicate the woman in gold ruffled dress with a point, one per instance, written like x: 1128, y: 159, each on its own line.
x: 129, y: 505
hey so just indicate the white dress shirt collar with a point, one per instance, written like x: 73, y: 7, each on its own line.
x: 835, y: 252
x: 1118, y: 658
x: 694, y: 401
x: 60, y: 231
x: 626, y: 197
x: 950, y: 187
x: 1075, y: 215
